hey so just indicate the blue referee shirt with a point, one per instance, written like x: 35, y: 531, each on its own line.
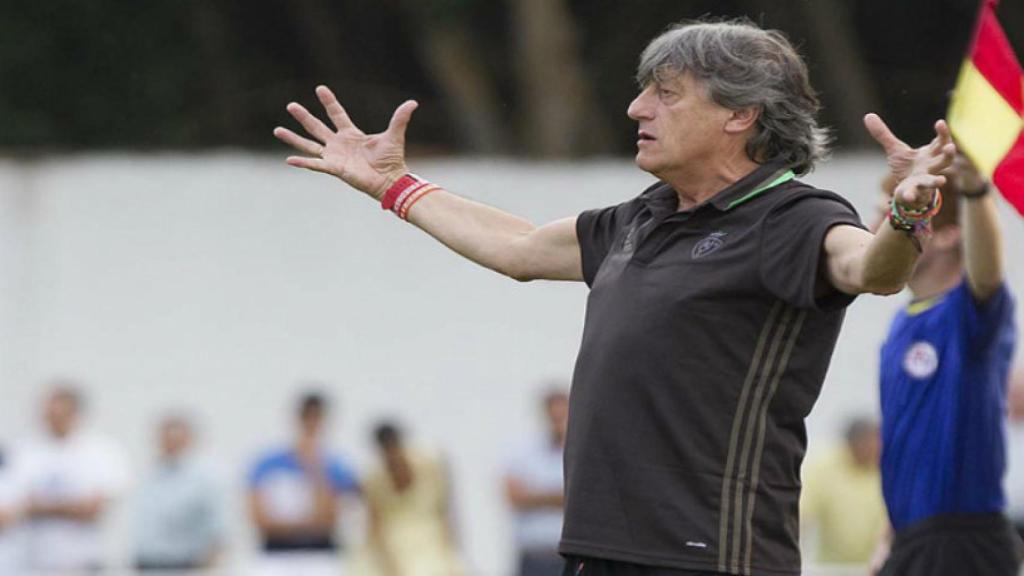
x: 944, y: 370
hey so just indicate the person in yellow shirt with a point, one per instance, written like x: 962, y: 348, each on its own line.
x: 842, y: 498
x: 410, y: 530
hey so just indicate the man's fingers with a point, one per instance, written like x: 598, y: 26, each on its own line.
x: 881, y: 132
x: 929, y: 182
x: 920, y: 187
x: 298, y: 142
x: 311, y: 123
x: 314, y: 164
x: 335, y: 111
x: 400, y: 119
x: 941, y: 149
x: 942, y: 160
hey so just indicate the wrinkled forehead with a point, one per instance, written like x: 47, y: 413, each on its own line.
x: 669, y: 77
x: 670, y: 74
x: 666, y: 72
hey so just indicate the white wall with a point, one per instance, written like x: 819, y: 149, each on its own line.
x: 217, y: 282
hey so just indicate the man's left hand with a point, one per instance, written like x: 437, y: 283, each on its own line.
x: 919, y: 171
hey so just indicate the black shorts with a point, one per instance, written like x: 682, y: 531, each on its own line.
x: 956, y: 545
x: 578, y: 566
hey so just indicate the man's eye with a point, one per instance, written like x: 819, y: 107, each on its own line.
x: 665, y: 93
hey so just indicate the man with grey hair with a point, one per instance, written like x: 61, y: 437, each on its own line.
x: 716, y: 296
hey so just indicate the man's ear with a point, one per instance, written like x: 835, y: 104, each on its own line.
x: 742, y: 120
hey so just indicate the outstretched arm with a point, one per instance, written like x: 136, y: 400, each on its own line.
x: 983, y: 243
x: 881, y: 263
x: 372, y: 163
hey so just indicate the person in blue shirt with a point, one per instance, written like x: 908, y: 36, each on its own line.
x: 944, y: 370
x: 294, y: 492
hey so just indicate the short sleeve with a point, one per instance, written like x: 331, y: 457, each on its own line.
x: 343, y: 479
x: 596, y: 231
x: 259, y: 471
x: 986, y: 320
x: 792, y: 241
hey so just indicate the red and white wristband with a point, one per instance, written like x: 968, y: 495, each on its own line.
x: 405, y: 192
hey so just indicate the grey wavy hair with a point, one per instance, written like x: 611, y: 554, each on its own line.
x: 742, y: 66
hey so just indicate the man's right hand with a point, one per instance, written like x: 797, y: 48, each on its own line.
x: 373, y: 162
x: 370, y: 163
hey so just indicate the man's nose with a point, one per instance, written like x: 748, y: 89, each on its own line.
x: 639, y: 108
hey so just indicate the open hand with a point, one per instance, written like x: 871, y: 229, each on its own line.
x: 367, y: 162
x: 919, y: 171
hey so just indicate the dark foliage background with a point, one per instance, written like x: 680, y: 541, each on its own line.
x: 548, y: 78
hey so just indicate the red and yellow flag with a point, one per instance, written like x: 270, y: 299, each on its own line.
x: 986, y: 115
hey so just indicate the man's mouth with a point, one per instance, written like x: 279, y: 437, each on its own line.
x: 643, y: 135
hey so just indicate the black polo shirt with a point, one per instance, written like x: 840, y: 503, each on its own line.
x: 707, y: 337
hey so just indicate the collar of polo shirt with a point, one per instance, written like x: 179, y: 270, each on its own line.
x: 743, y: 190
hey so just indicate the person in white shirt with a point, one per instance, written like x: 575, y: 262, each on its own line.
x: 69, y: 477
x: 534, y: 489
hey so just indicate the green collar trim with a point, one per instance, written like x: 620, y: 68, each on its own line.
x: 922, y: 306
x: 784, y: 177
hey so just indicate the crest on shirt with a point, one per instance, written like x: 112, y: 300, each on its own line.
x: 921, y: 360
x: 708, y: 244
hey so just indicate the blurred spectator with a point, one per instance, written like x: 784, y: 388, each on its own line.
x: 1014, y: 481
x: 10, y: 504
x: 842, y: 497
x: 294, y: 499
x: 534, y: 488
x: 407, y: 496
x: 70, y: 477
x: 179, y: 524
